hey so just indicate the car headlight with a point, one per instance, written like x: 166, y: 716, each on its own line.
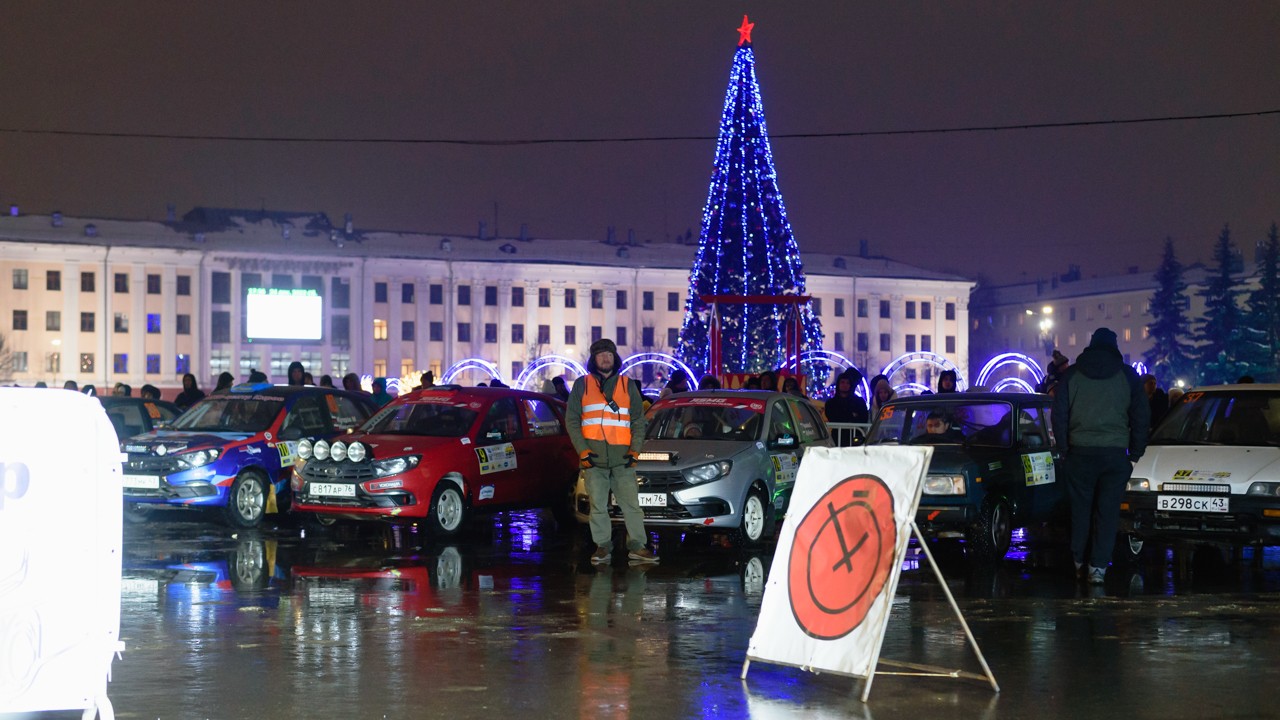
x: 304, y: 449
x: 357, y: 452
x: 320, y: 450
x: 197, y: 459
x: 1264, y: 488
x: 395, y: 466
x: 708, y: 472
x: 1138, y: 485
x: 338, y: 451
x: 944, y: 485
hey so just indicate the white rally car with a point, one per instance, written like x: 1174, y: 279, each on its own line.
x: 1211, y: 472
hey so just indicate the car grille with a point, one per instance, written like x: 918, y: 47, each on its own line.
x: 345, y: 471
x: 661, y: 481
x: 151, y: 465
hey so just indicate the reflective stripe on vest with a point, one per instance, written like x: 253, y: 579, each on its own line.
x: 601, y: 423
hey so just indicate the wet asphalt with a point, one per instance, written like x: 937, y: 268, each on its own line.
x: 511, y: 620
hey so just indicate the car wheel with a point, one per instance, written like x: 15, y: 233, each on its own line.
x: 448, y: 510
x: 756, y: 513
x: 247, y: 500
x: 247, y: 566
x: 1128, y: 548
x: 137, y: 513
x: 989, y: 537
x: 448, y: 571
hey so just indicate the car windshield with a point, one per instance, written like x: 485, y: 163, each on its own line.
x: 706, y: 419
x: 432, y: 419
x: 987, y: 424
x: 231, y: 414
x: 1249, y: 418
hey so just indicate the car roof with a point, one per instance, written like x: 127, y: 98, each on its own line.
x: 968, y: 397
x: 245, y: 389
x: 109, y: 400
x: 750, y: 394
x: 1238, y: 387
x: 487, y: 393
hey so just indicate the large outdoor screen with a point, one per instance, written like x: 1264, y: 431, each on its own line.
x: 272, y: 314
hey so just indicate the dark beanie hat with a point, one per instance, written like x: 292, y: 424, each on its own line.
x: 1104, y: 338
x: 602, y: 345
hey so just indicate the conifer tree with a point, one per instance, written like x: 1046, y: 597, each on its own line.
x: 1170, y: 354
x: 1262, y: 313
x: 1220, y: 352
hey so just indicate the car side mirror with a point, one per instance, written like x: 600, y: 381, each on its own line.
x: 292, y: 433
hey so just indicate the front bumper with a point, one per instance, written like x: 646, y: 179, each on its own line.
x: 396, y: 502
x: 1251, y: 518
x: 944, y: 520
x: 201, y: 486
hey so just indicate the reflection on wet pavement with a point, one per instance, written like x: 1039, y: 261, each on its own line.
x: 372, y: 622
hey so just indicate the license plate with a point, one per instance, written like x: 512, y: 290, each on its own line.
x: 653, y: 499
x: 333, y: 490
x: 142, y: 482
x: 1193, y: 503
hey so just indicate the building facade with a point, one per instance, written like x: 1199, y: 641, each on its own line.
x: 107, y: 301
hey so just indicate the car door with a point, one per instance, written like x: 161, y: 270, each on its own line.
x: 504, y: 457
x: 785, y: 460
x: 1042, y: 480
x: 308, y: 418
x: 556, y: 465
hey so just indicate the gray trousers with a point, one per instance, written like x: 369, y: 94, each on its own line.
x: 622, y: 482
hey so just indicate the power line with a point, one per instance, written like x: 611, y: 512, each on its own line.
x: 633, y: 139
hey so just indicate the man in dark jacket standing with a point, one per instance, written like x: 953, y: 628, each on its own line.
x: 844, y: 406
x: 1100, y: 420
x: 605, y: 420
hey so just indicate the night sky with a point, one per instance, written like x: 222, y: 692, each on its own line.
x: 1012, y: 205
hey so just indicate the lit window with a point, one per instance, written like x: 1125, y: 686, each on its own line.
x: 379, y: 329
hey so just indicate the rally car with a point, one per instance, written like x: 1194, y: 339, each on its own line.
x: 438, y: 455
x: 235, y: 451
x: 133, y: 415
x: 721, y: 460
x: 1211, y: 472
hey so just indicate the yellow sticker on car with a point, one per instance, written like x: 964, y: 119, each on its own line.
x: 496, y: 458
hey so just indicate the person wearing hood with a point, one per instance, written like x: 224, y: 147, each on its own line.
x: 845, y: 406
x: 297, y: 373
x: 947, y: 382
x: 881, y: 393
x: 605, y: 420
x: 1100, y: 418
x: 191, y: 393
x: 225, y: 381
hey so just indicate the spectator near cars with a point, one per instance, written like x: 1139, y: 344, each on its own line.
x: 191, y: 393
x: 845, y: 406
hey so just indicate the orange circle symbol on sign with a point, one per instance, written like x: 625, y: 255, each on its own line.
x: 842, y: 555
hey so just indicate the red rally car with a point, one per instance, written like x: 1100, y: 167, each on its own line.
x: 439, y: 455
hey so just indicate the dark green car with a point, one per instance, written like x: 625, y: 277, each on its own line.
x: 995, y: 466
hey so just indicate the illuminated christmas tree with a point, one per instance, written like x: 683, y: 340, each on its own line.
x: 746, y: 247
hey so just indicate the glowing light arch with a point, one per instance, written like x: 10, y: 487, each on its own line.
x: 657, y: 358
x: 1008, y: 359
x: 910, y: 388
x: 834, y: 358
x: 938, y: 361
x: 532, y: 369
x: 462, y: 366
x: 1013, y: 384
x: 1140, y: 367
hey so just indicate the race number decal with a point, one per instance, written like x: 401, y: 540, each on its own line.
x: 784, y: 468
x: 286, y: 453
x: 1037, y: 468
x: 496, y: 458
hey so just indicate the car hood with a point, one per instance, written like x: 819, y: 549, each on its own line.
x: 388, y: 446
x: 178, y: 440
x: 1234, y: 466
x: 690, y: 453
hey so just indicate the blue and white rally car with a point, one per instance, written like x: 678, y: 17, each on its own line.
x: 235, y: 451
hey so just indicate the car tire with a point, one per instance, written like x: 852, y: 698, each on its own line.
x: 448, y: 510
x: 1128, y: 549
x: 757, y: 518
x: 319, y: 523
x: 137, y: 513
x: 247, y: 500
x: 989, y: 537
x: 247, y: 566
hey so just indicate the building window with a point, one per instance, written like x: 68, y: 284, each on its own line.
x: 153, y: 364
x: 407, y: 293
x: 464, y: 332
x: 544, y: 334
x: 219, y: 361
x: 122, y: 282
x: 86, y: 362
x: 926, y: 343
x: 673, y: 302
x: 862, y: 307
x: 87, y: 282
x: 86, y: 322
x: 435, y: 332
x: 864, y: 342
x: 816, y: 304
x: 1128, y: 310
x: 379, y: 329
x: 1128, y: 334
x: 884, y: 308
x: 20, y: 361
x: 622, y: 300
x: 884, y: 342
x: 951, y: 345
x: 1071, y: 314
x: 219, y: 326
x: 182, y: 364
x: 517, y: 333
x: 340, y: 327
x: 490, y: 295
x: 220, y: 288
x: 380, y: 367
x: 597, y: 332
x: 53, y: 281
x: 53, y: 362
x: 120, y: 363
x: 153, y: 323
x: 52, y: 320
x: 339, y: 363
x: 517, y: 367
x: 19, y: 319
x: 570, y: 335
x: 184, y: 285
x: 570, y: 298
x: 646, y: 300
x: 491, y: 332
x: 646, y: 337
x: 517, y: 297
x: 19, y: 279
x: 464, y: 294
x: 120, y: 323
x: 544, y: 297
x: 951, y: 311
x: 407, y: 331
x: 911, y: 343
x: 926, y: 311
x: 597, y: 299
x: 839, y: 342
x: 621, y: 338
x: 911, y: 309
x: 406, y: 366
x: 673, y: 337
x: 435, y: 294
x: 153, y: 284
x: 839, y: 307
x: 379, y: 292
x: 182, y: 324
x: 282, y: 282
